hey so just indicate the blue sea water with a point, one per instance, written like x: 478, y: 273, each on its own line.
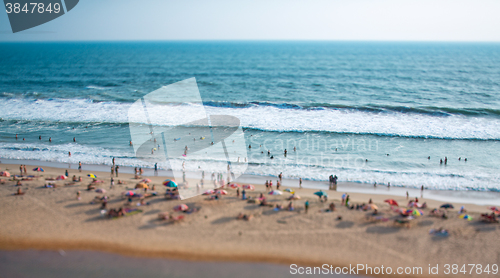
x: 364, y: 111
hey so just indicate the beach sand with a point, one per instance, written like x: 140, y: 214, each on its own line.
x: 53, y: 219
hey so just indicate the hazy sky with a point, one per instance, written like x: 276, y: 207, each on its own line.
x: 402, y: 20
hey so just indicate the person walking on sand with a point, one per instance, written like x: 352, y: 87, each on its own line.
x: 21, y: 169
x: 66, y: 173
x: 347, y: 201
x: 343, y: 198
x: 300, y: 182
x: 407, y: 195
x: 79, y: 166
x: 156, y: 169
x: 112, y: 170
x: 306, y: 206
x: 237, y: 192
x: 25, y: 171
x: 112, y: 183
x: 422, y: 192
x: 277, y: 185
x: 116, y: 170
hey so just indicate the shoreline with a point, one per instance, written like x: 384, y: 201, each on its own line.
x: 472, y: 197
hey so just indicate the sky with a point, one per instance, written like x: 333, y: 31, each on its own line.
x: 350, y: 20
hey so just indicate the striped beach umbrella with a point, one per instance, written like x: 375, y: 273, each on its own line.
x: 417, y: 212
x: 92, y: 176
x: 465, y: 216
x: 249, y: 187
x: 170, y: 183
x: 38, y: 169
x: 275, y: 192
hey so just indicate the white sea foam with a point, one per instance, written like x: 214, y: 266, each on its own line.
x: 266, y: 118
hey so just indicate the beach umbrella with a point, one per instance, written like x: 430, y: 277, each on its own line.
x: 447, y: 206
x: 5, y: 174
x: 221, y: 192
x: 392, y: 202
x: 146, y: 180
x: 417, y: 212
x: 275, y: 192
x: 288, y: 190
x: 130, y: 193
x: 100, y: 190
x: 61, y: 177
x: 249, y: 187
x: 208, y: 192
x: 495, y: 209
x: 465, y: 216
x: 320, y: 193
x: 38, y: 169
x: 181, y: 207
x: 141, y: 185
x: 234, y: 185
x: 170, y: 183
x: 92, y: 176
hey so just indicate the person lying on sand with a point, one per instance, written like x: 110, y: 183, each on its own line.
x: 50, y: 185
x: 290, y: 206
x: 116, y: 213
x: 244, y: 216
x: 439, y: 232
x: 19, y: 183
x: 170, y: 218
x: 90, y: 187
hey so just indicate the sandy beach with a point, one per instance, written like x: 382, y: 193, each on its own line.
x: 53, y: 219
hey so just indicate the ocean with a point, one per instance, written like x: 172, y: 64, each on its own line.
x: 384, y: 112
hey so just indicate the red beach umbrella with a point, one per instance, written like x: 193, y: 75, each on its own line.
x: 392, y: 202
x: 234, y: 185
